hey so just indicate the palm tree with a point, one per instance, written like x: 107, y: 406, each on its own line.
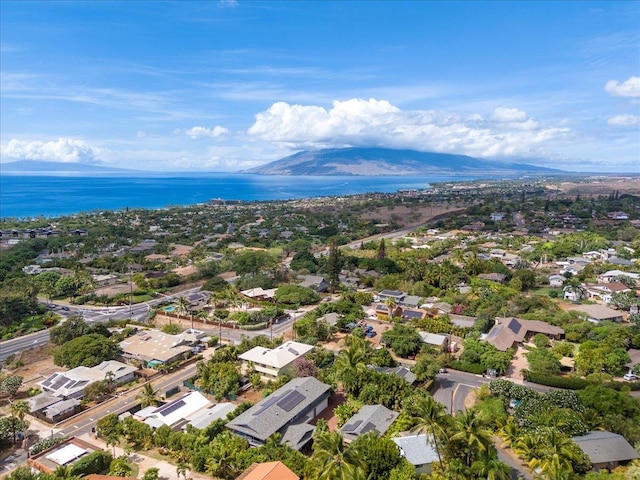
x: 470, y: 428
x: 574, y: 289
x: 183, y: 305
x: 110, y: 377
x: 430, y: 419
x: 391, y: 306
x: 555, y: 469
x: 148, y: 396
x: 488, y: 467
x: 19, y: 409
x: 334, y: 460
x: 182, y: 469
x: 113, y: 439
x: 509, y: 432
x: 350, y: 361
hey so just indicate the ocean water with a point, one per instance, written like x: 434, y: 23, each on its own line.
x: 51, y: 196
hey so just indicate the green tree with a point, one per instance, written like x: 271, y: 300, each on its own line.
x: 151, y: 474
x: 88, y: 350
x: 333, y: 267
x: 430, y: 418
x: 332, y: 459
x: 471, y: 430
x: 148, y: 396
x: 120, y: 467
x: 10, y: 385
x: 220, y: 379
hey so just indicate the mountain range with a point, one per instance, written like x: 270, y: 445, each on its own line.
x: 331, y: 161
x: 385, y: 161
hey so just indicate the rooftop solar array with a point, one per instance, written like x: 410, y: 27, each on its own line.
x: 270, y: 400
x: 292, y: 399
x: 172, y: 407
x: 514, y: 325
x: 351, y: 427
x: 368, y: 427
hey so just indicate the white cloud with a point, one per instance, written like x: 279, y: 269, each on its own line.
x: 502, y: 114
x: 67, y: 150
x: 507, y: 132
x: 215, y: 132
x: 624, y: 120
x: 628, y: 88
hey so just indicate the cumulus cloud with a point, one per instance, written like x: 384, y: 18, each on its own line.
x: 215, y: 132
x: 67, y: 150
x: 628, y: 88
x: 506, y: 132
x: 624, y: 120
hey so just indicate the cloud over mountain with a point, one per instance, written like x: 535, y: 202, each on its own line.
x: 358, y: 122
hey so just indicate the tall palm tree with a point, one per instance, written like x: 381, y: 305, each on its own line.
x: 334, y: 460
x: 554, y: 468
x: 110, y: 377
x: 510, y: 432
x: 148, y: 396
x: 430, y: 418
x: 471, y: 429
x: 182, y: 306
x: 391, y: 306
x: 349, y: 362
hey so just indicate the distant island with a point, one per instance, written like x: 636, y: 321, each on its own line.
x: 42, y: 167
x: 385, y: 161
x: 326, y: 162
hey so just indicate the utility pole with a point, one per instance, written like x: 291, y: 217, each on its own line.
x: 130, y: 290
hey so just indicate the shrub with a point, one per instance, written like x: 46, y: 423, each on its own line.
x: 570, y: 383
x: 468, y: 367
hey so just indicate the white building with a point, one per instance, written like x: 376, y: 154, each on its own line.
x: 176, y: 413
x: 271, y: 363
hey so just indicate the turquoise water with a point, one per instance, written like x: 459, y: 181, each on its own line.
x: 169, y: 309
x: 50, y: 196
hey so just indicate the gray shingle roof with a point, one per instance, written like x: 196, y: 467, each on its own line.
x: 606, y: 447
x: 377, y: 418
x: 281, y: 409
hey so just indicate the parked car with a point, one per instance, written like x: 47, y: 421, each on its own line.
x: 630, y: 377
x: 370, y: 333
x: 66, y: 309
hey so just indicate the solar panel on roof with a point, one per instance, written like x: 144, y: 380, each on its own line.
x: 48, y: 381
x: 514, y: 325
x: 172, y: 407
x: 350, y: 427
x: 368, y: 427
x: 270, y: 400
x: 290, y: 400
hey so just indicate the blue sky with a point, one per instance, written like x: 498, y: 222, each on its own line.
x: 227, y: 85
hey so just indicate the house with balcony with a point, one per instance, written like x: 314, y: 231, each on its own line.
x: 272, y: 363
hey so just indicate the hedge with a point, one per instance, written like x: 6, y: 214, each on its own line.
x: 570, y: 383
x: 257, y: 326
x: 468, y: 367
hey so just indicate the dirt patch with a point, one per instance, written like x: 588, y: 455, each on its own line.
x: 250, y: 395
x: 406, y: 216
x: 601, y: 186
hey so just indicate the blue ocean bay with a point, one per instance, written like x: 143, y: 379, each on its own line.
x: 33, y: 196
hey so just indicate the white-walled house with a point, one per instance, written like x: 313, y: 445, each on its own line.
x: 271, y: 363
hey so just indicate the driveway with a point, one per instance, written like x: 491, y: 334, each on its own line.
x: 518, y: 363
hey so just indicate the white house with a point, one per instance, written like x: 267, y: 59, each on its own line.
x: 176, y: 413
x: 556, y: 280
x: 271, y: 363
x: 419, y: 450
x: 611, y: 275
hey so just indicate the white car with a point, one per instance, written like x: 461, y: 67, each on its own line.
x: 630, y: 376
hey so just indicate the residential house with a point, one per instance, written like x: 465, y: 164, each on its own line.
x: 319, y: 284
x: 370, y: 418
x: 419, y: 450
x: 154, y: 347
x: 260, y: 294
x: 435, y: 340
x: 634, y: 356
x: 60, y: 410
x: 510, y: 332
x: 286, y: 411
x: 204, y: 418
x: 268, y: 471
x: 464, y: 321
x: 618, y: 215
x: 605, y: 291
x: 556, y: 280
x: 400, y: 371
x: 71, y: 384
x: 599, y: 313
x: 606, y: 450
x: 63, y: 454
x: 614, y: 275
x: 623, y: 262
x: 497, y: 216
x: 271, y: 363
x: 493, y: 277
x: 176, y: 413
